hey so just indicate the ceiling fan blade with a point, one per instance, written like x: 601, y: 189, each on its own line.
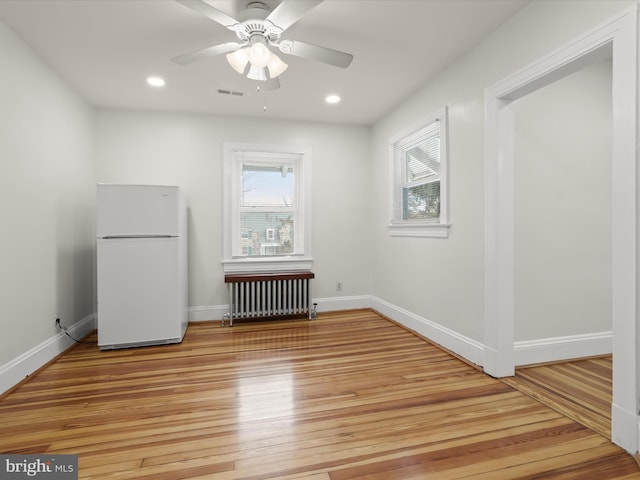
x: 206, y: 53
x: 316, y: 52
x: 210, y: 12
x: 290, y: 11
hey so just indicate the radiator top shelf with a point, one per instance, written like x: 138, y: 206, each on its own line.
x: 267, y: 276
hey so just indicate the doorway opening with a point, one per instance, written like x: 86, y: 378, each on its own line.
x: 562, y: 245
x: 617, y: 39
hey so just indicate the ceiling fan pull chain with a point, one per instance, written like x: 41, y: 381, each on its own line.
x: 264, y: 98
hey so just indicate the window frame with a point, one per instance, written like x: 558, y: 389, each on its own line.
x: 233, y: 260
x: 434, y: 227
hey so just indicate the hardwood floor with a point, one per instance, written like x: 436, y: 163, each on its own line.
x: 347, y: 396
x: 580, y: 389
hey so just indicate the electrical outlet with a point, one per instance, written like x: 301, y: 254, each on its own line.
x: 338, y: 286
x: 59, y: 325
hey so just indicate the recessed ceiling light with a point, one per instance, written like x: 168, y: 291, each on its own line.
x: 156, y: 81
x: 332, y: 98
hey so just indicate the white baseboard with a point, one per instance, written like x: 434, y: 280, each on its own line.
x: 457, y: 343
x: 625, y: 426
x: 562, y: 348
x: 526, y: 353
x: 16, y: 370
x: 453, y: 341
x: 333, y: 304
x: 328, y: 304
x: 207, y: 313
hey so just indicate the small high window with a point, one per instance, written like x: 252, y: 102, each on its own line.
x: 419, y: 159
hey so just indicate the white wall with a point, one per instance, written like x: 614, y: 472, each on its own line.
x: 562, y: 205
x: 187, y: 150
x: 46, y: 148
x: 46, y: 206
x: 441, y: 281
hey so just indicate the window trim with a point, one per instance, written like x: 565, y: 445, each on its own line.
x: 231, y: 211
x: 436, y: 228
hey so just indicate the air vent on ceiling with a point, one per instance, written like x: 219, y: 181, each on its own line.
x: 234, y: 93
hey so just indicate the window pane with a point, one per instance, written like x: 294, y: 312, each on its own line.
x: 422, y: 201
x: 267, y: 186
x: 266, y: 233
x: 423, y: 160
x: 419, y: 205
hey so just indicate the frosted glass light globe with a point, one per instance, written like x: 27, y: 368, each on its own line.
x: 259, y: 55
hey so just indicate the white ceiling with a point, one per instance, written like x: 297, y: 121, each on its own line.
x: 105, y: 49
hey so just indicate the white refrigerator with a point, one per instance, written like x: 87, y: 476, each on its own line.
x: 141, y: 265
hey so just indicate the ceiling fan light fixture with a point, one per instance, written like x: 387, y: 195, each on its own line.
x: 259, y: 58
x: 276, y: 66
x: 257, y: 73
x: 239, y: 59
x: 259, y: 29
x: 259, y: 55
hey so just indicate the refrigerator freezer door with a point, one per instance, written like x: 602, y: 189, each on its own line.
x: 130, y: 210
x: 140, y: 292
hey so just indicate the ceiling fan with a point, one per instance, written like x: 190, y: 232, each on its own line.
x: 259, y: 29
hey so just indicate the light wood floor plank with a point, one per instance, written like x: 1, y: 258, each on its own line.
x: 580, y: 389
x: 350, y: 395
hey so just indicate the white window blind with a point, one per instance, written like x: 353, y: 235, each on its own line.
x: 419, y: 180
x: 419, y: 157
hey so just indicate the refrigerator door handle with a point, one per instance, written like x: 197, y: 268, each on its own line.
x: 116, y: 237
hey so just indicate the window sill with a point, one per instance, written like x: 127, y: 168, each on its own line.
x: 267, y: 264
x: 415, y: 229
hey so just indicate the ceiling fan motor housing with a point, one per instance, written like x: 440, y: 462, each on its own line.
x: 253, y: 23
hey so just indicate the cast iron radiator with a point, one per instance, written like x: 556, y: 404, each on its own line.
x: 263, y: 295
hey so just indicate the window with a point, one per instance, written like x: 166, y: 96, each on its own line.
x: 419, y: 206
x: 267, y: 212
